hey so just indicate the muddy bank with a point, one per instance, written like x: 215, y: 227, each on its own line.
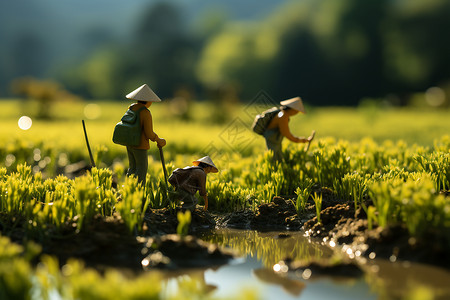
x: 280, y: 214
x: 107, y: 243
x: 343, y: 226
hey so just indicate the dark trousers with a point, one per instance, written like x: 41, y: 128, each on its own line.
x: 138, y: 163
x: 274, y: 139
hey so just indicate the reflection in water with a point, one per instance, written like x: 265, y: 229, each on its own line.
x: 253, y: 277
x: 383, y: 279
x: 407, y: 280
x: 187, y: 285
x: 293, y: 287
x: 269, y: 247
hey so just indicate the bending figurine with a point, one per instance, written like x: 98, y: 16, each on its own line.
x: 278, y: 127
x: 189, y: 180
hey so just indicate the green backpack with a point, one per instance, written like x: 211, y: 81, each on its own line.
x: 262, y: 120
x: 128, y: 131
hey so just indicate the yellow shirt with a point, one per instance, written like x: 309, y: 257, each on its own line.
x: 146, y: 125
x: 282, y: 122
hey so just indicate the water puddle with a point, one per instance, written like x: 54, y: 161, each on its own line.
x: 262, y: 251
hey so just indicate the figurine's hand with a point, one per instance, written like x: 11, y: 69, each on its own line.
x: 161, y: 143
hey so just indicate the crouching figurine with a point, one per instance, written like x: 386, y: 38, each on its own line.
x: 189, y: 180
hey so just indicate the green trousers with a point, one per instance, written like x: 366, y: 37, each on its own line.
x: 138, y: 163
x: 273, y: 142
x: 189, y: 200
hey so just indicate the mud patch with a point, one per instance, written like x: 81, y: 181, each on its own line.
x: 105, y: 243
x: 342, y: 226
x: 280, y: 214
x: 164, y: 221
x: 276, y: 215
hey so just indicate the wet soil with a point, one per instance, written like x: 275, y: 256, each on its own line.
x: 108, y: 243
x: 344, y: 226
x: 280, y: 214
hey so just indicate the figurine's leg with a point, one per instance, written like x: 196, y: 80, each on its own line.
x: 131, y: 162
x: 141, y: 164
x: 273, y: 142
x: 189, y: 201
x: 277, y: 153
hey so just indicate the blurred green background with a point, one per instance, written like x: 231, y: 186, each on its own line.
x: 329, y: 52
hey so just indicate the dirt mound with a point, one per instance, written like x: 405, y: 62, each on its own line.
x: 236, y: 220
x: 106, y: 242
x: 278, y: 214
x: 164, y: 221
x: 343, y: 226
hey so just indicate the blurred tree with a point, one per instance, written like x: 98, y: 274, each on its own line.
x: 27, y: 55
x: 44, y: 92
x: 162, y: 52
x: 418, y: 45
x: 330, y: 52
x: 333, y: 52
x: 100, y: 76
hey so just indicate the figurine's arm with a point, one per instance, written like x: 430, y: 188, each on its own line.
x: 148, y: 128
x: 283, y: 125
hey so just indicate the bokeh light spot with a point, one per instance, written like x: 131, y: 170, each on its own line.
x: 435, y: 96
x: 92, y: 111
x: 25, y: 123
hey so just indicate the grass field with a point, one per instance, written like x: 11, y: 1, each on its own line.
x: 227, y: 127
x: 399, y: 158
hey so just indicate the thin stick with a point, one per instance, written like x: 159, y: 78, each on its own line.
x: 309, y: 142
x: 87, y: 144
x: 161, y: 154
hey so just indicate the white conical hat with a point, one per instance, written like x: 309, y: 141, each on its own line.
x: 143, y: 93
x: 294, y: 103
x: 206, y: 160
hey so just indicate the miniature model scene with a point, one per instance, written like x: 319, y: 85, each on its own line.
x: 281, y: 150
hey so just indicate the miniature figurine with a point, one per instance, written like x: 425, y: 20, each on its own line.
x: 189, y: 180
x: 136, y: 129
x: 273, y: 124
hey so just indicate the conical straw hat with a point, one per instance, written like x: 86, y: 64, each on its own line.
x: 294, y: 103
x: 206, y: 160
x: 143, y: 93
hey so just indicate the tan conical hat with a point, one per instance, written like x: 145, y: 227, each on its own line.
x: 143, y: 93
x: 206, y: 160
x: 294, y: 103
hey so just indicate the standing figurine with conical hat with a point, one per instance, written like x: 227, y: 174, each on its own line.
x: 273, y: 124
x: 136, y: 129
x: 189, y: 180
